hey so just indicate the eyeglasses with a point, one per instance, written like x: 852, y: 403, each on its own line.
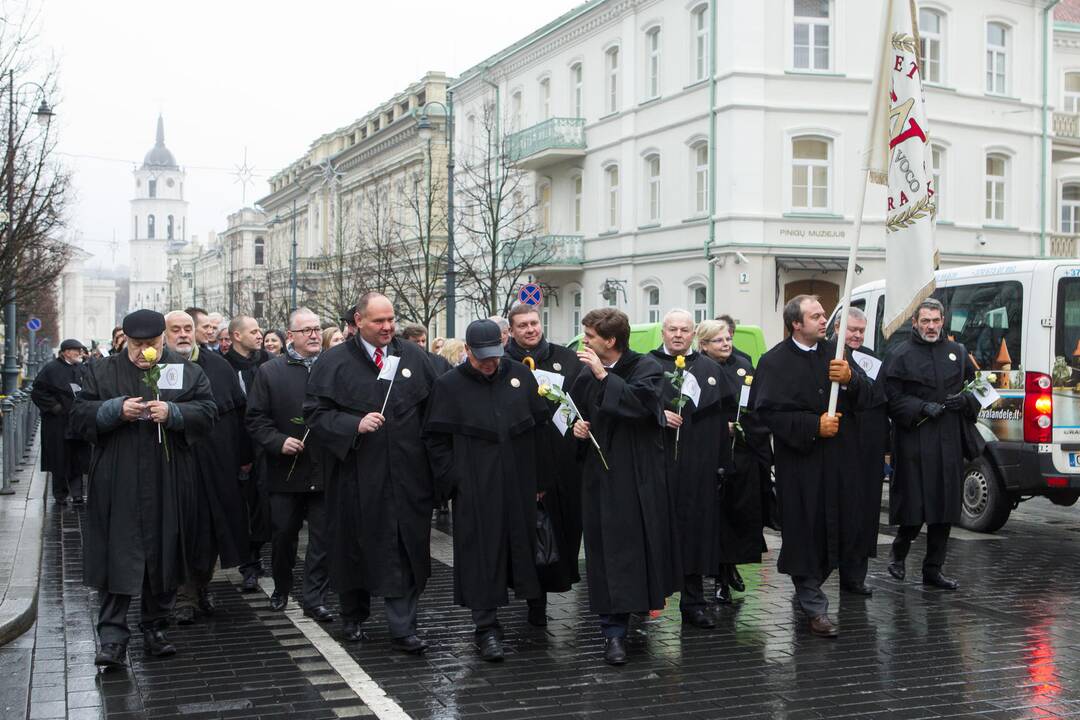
x: 307, y: 331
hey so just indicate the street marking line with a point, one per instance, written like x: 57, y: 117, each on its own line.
x: 373, y: 696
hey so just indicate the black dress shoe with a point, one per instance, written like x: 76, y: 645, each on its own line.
x: 320, y: 613
x: 538, y: 615
x: 699, y: 619
x: 940, y: 581
x: 735, y: 579
x: 184, y: 615
x: 206, y: 602
x: 410, y: 644
x: 490, y: 647
x: 896, y: 569
x: 723, y: 593
x: 856, y: 589
x: 111, y: 655
x: 279, y: 601
x: 353, y: 632
x: 156, y: 644
x: 251, y: 583
x: 614, y: 651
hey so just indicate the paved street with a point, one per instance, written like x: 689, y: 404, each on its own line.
x: 1006, y: 646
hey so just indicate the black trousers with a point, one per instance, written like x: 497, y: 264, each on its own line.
x: 693, y: 594
x: 937, y: 541
x: 288, y: 511
x: 112, y: 625
x: 400, y: 611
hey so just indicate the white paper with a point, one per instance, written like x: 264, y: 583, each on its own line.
x: 870, y: 364
x: 986, y: 395
x: 744, y: 396
x: 691, y: 388
x: 76, y: 388
x: 172, y: 377
x: 560, y: 421
x: 544, y: 377
x: 389, y: 367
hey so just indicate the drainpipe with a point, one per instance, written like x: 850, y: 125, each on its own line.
x: 711, y: 304
x: 1047, y: 42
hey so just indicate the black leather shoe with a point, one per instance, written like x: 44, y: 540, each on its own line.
x: 320, y: 613
x: 353, y: 632
x: 614, y: 651
x: 856, y: 589
x: 250, y: 584
x: 111, y: 655
x: 490, y: 647
x: 279, y: 601
x: 940, y: 581
x: 410, y: 644
x: 206, y: 602
x: 538, y: 615
x: 735, y: 579
x: 156, y: 644
x: 184, y: 615
x: 896, y: 569
x: 723, y: 593
x: 699, y: 619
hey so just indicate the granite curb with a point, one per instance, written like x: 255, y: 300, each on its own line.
x: 18, y: 609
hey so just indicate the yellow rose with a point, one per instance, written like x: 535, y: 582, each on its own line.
x: 749, y: 379
x: 149, y: 354
x: 680, y: 361
x: 542, y: 391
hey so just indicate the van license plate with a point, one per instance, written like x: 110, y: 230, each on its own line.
x: 1074, y: 460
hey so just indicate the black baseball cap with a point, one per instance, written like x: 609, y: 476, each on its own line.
x: 484, y: 339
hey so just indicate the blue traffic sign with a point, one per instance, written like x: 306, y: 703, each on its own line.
x: 33, y: 324
x: 530, y: 294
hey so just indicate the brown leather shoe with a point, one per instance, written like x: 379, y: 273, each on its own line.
x: 822, y: 626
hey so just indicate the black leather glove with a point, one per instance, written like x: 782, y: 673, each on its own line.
x: 956, y: 402
x: 932, y: 409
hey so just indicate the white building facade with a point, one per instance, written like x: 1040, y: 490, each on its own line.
x: 707, y: 155
x: 86, y: 303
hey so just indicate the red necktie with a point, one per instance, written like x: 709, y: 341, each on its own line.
x: 378, y: 358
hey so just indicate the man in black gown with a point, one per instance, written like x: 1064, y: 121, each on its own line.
x: 64, y: 457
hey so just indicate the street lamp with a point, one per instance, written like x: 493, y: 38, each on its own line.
x: 44, y: 115
x: 425, y: 131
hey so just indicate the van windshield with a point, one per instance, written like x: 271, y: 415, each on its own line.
x: 988, y: 320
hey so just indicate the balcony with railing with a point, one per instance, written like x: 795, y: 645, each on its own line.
x: 1066, y: 129
x: 548, y: 252
x: 1063, y: 246
x: 553, y: 141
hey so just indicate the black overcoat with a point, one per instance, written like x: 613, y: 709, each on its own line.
x: 133, y: 522
x: 382, y: 496
x: 928, y: 457
x: 627, y: 524
x: 54, y: 390
x: 483, y: 436
x: 873, y: 417
x: 562, y: 483
x: 818, y: 479
x: 253, y: 484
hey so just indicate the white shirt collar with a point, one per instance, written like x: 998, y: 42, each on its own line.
x: 370, y: 349
x: 672, y: 353
x: 802, y: 347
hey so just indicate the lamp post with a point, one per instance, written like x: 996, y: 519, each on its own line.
x: 44, y: 116
x: 424, y: 129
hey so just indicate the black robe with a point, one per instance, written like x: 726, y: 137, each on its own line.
x: 928, y: 458
x: 253, y: 489
x: 741, y: 520
x: 562, y: 483
x: 873, y: 443
x: 133, y: 499
x: 484, y: 440
x: 381, y: 499
x: 53, y: 391
x: 817, y: 479
x: 627, y: 525
x: 704, y: 447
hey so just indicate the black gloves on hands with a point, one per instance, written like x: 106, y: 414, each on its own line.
x: 932, y: 409
x: 957, y: 402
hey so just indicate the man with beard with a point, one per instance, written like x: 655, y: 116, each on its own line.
x: 365, y: 403
x: 924, y: 379
x: 63, y: 456
x: 482, y: 437
x: 296, y: 466
x: 143, y: 462
x: 215, y: 525
x: 696, y: 448
x: 560, y: 486
x: 819, y: 497
x: 627, y: 526
x: 873, y: 442
x: 243, y: 349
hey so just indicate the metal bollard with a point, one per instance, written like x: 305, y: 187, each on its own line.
x: 16, y: 429
x: 7, y: 413
x: 28, y: 423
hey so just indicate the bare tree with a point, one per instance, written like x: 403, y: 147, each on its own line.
x: 416, y: 264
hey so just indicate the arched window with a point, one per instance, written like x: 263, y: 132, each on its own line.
x: 699, y: 25
x: 577, y: 90
x: 652, y: 304
x: 611, y: 62
x: 997, y: 169
x: 699, y: 158
x: 575, y: 312
x: 260, y: 251
x: 811, y: 160
x: 652, y: 63
x: 152, y: 188
x: 611, y: 179
x: 652, y: 189
x: 931, y: 44
x: 1072, y: 92
x: 997, y: 58
x: 169, y: 227
x: 150, y: 227
x: 699, y: 302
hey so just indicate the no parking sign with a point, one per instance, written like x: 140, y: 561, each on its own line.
x: 531, y: 294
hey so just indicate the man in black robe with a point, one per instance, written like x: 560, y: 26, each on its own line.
x: 63, y: 456
x: 215, y: 526
x: 873, y: 422
x: 483, y: 437
x: 296, y: 467
x: 365, y: 403
x: 416, y: 333
x: 142, y: 464
x: 924, y: 378
x: 696, y: 447
x: 561, y: 485
x: 814, y: 451
x: 245, y: 354
x: 627, y: 524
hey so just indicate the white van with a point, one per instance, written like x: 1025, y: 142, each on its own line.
x: 1021, y: 322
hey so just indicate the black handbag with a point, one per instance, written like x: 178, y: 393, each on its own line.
x: 547, y: 546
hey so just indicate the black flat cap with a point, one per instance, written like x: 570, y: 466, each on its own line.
x: 71, y: 344
x: 144, y: 324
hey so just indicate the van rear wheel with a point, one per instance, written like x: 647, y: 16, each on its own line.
x: 986, y: 505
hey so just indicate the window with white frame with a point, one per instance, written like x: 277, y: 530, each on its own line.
x: 577, y: 90
x: 611, y: 178
x: 652, y: 186
x: 699, y: 23
x: 575, y: 314
x: 652, y: 304
x: 997, y: 57
x: 545, y: 321
x: 700, y: 154
x: 937, y: 169
x: 1071, y: 101
x: 543, y: 205
x: 931, y: 44
x: 997, y: 168
x: 652, y: 63
x: 1070, y: 208
x: 812, y: 30
x: 810, y: 173
x: 515, y: 110
x: 260, y: 251
x: 578, y: 186
x: 699, y: 303
x: 612, y: 79
x: 545, y: 98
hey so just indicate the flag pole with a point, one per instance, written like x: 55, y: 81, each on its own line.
x: 876, y: 97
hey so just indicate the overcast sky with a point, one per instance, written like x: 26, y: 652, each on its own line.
x: 269, y: 75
